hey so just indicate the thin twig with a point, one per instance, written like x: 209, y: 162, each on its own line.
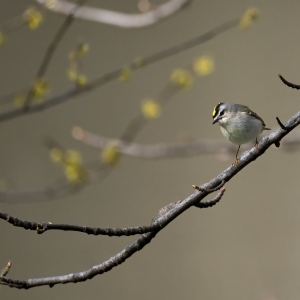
x: 280, y: 124
x: 5, y: 270
x: 213, y: 201
x: 289, y: 84
x: 43, y: 227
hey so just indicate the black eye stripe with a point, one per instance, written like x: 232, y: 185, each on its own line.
x: 217, y: 110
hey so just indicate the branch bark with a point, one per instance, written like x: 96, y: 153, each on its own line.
x: 116, y: 18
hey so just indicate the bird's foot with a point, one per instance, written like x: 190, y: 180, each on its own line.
x: 235, y: 162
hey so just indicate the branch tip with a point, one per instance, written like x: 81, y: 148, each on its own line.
x: 288, y: 83
x: 4, y: 271
x: 281, y: 125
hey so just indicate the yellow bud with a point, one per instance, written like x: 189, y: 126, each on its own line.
x: 72, y: 73
x: 40, y: 89
x: 81, y: 80
x: 182, y: 78
x: 249, y: 17
x: 73, y: 173
x: 82, y: 50
x: 204, y: 65
x: 73, y: 168
x: 73, y: 157
x: 125, y: 74
x: 33, y: 18
x: 110, y: 154
x: 151, y: 109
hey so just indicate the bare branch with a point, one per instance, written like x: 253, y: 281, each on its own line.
x: 165, y: 216
x: 213, y: 201
x: 43, y: 227
x: 289, y: 84
x: 116, y: 18
x: 170, y: 150
x: 155, y: 151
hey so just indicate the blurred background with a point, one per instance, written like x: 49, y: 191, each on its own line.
x: 246, y: 247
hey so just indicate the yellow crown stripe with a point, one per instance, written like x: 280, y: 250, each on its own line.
x: 215, y: 110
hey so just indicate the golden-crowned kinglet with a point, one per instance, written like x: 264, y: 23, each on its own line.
x: 238, y: 123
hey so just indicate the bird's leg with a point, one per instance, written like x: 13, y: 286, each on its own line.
x: 236, y: 160
x: 256, y: 144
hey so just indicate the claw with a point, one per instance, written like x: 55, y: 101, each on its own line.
x: 256, y: 144
x: 235, y: 162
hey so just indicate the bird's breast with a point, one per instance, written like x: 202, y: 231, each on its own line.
x: 242, y: 132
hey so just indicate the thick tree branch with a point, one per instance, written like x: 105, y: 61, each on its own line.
x: 166, y: 215
x: 116, y: 18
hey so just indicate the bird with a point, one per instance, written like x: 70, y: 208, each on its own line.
x: 239, y: 124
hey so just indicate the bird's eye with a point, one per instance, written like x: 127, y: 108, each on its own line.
x: 221, y: 113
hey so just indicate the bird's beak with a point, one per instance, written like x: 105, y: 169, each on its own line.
x: 215, y: 121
